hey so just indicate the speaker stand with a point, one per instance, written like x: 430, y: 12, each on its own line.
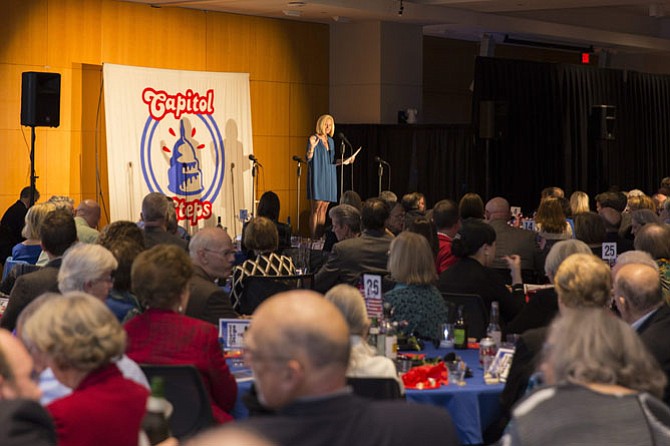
x: 33, y: 177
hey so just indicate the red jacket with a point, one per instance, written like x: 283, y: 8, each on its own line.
x: 166, y: 337
x: 104, y: 410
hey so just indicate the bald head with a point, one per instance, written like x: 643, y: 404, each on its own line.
x: 16, y: 367
x: 297, y: 346
x: 497, y: 209
x: 654, y: 238
x: 637, y: 290
x: 89, y: 210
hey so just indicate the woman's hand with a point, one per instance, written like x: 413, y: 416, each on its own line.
x: 514, y: 265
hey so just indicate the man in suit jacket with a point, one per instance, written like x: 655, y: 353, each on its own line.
x: 23, y: 422
x: 12, y: 223
x: 212, y: 252
x: 298, y: 348
x: 154, y: 216
x: 510, y: 240
x: 367, y: 253
x: 58, y: 233
x: 639, y: 299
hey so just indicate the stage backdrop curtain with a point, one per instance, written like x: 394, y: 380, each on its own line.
x: 545, y: 117
x: 186, y: 134
x: 433, y: 159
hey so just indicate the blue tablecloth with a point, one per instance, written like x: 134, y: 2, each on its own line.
x: 473, y: 407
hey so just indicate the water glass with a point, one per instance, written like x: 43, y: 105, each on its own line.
x: 457, y: 371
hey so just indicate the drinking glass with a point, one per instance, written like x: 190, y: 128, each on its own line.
x: 457, y: 371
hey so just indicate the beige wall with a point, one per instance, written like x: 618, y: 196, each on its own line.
x: 287, y: 62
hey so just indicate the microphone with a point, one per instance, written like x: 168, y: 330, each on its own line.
x: 298, y: 159
x: 379, y: 160
x: 253, y: 158
x: 344, y: 138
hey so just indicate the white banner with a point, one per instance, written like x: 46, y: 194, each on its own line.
x: 186, y: 134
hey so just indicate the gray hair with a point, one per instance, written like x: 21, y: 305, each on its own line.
x: 155, y: 208
x: 603, y: 350
x: 561, y: 251
x: 83, y: 263
x: 351, y: 304
x: 653, y: 238
x: 347, y: 215
x: 637, y: 256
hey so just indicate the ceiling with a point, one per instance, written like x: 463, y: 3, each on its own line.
x: 626, y: 26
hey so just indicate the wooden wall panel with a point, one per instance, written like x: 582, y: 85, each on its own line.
x: 23, y: 32
x: 231, y: 42
x: 269, y: 108
x: 67, y: 23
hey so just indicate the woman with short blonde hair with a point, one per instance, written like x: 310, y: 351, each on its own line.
x: 415, y: 298
x: 30, y: 249
x: 579, y: 202
x: 79, y: 338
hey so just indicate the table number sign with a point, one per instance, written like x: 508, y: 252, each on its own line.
x: 372, y: 291
x: 609, y: 253
x: 528, y: 224
x: 231, y: 333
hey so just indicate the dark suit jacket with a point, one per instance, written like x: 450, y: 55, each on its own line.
x: 654, y: 333
x: 348, y: 420
x: 538, y: 312
x: 518, y: 241
x: 166, y: 337
x: 25, y: 423
x: 351, y: 257
x: 158, y: 236
x: 208, y: 301
x: 27, y: 288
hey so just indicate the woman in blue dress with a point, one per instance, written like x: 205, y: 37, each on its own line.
x: 322, y: 175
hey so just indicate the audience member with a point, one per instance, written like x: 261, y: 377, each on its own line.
x: 425, y: 226
x: 476, y: 248
x: 654, y: 238
x: 590, y: 229
x: 511, y: 240
x: 395, y: 223
x: 664, y: 215
x: 414, y: 205
x: 542, y: 305
x: 659, y: 199
x: 600, y: 372
x: 87, y: 217
x: 78, y: 338
x: 121, y: 301
x: 447, y: 220
x: 612, y: 221
x: 346, y: 221
x: 367, y: 253
x: 88, y: 268
x: 611, y: 199
x: 471, y: 206
x: 261, y: 237
x: 30, y: 249
x: 121, y: 229
x: 581, y: 281
x: 212, y: 254
x: 551, y: 224
x: 551, y: 192
x: 268, y: 207
x: 579, y: 202
x: 415, y: 299
x: 162, y: 335
x: 298, y: 348
x: 12, y: 222
x: 352, y: 198
x: 641, y: 217
x: 230, y: 434
x: 58, y: 233
x: 154, y: 216
x: 23, y: 422
x: 363, y: 361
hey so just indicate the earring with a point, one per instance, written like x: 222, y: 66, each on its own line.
x: 181, y: 309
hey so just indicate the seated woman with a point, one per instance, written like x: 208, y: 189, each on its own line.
x: 414, y: 299
x: 268, y: 207
x: 551, y: 223
x: 471, y: 206
x: 363, y: 362
x: 590, y: 228
x: 30, y: 249
x: 163, y: 335
x: 262, y: 238
x: 598, y: 370
x: 475, y: 246
x: 79, y: 338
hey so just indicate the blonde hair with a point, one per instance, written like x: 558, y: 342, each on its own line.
x: 583, y: 280
x: 579, y: 202
x: 76, y: 331
x: 321, y: 124
x: 603, y: 349
x: 351, y: 304
x: 411, y: 259
x: 34, y: 218
x: 261, y: 235
x: 550, y: 216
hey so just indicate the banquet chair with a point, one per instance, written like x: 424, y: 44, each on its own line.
x: 259, y: 288
x: 186, y: 392
x: 474, y: 312
x: 375, y: 388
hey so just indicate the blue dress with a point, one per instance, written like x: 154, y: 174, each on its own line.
x: 322, y: 175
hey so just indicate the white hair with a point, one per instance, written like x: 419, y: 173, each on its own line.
x: 84, y: 262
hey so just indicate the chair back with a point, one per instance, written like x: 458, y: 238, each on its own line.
x: 259, y: 288
x: 474, y: 312
x: 186, y: 392
x: 10, y: 263
x: 375, y: 388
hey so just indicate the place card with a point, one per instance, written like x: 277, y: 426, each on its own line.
x: 372, y: 291
x: 231, y: 333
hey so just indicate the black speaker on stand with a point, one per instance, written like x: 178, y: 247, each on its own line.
x: 40, y: 107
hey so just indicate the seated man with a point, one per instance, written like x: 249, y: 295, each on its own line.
x: 155, y: 218
x: 367, y: 253
x: 448, y: 222
x: 298, y: 348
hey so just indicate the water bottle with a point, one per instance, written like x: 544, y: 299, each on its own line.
x: 493, y: 329
x: 155, y: 423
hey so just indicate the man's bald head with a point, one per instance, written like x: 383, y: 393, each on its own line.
x: 297, y: 346
x: 497, y: 208
x: 16, y: 368
x: 89, y: 210
x: 654, y: 238
x: 637, y: 290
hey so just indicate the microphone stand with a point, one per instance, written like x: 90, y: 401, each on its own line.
x: 342, y: 148
x: 299, y: 172
x: 254, y: 186
x: 380, y: 173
